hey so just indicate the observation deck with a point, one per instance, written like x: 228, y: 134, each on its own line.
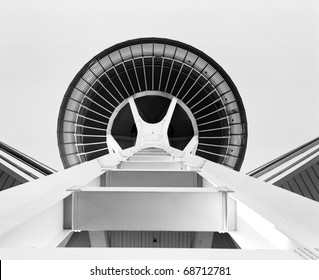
x: 152, y: 72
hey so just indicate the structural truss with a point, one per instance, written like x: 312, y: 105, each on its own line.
x: 152, y: 133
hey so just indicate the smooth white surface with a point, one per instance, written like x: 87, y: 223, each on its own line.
x: 36, y: 232
x: 291, y: 214
x: 150, y: 135
x: 163, y: 210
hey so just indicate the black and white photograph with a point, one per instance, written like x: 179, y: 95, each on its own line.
x: 159, y: 132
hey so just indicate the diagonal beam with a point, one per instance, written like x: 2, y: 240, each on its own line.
x: 167, y: 119
x: 112, y: 144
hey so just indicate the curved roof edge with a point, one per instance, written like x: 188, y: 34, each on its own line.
x: 264, y: 169
x: 19, y: 160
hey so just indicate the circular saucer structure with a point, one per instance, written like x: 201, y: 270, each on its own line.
x: 152, y: 71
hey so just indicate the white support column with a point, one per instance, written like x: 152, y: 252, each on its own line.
x: 112, y: 145
x: 191, y: 146
x: 255, y: 232
x: 282, y: 218
x: 136, y: 116
x: 149, y: 134
x: 167, y: 119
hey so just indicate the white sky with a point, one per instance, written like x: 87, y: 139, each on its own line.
x: 270, y: 49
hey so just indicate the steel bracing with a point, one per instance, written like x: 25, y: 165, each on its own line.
x: 153, y: 133
x: 155, y: 187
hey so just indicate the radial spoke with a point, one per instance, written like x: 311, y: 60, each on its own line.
x: 114, y: 87
x: 98, y: 104
x: 214, y: 137
x: 102, y: 96
x: 179, y: 72
x: 211, y: 153
x: 90, y: 144
x: 213, y: 112
x: 190, y: 72
x: 91, y: 152
x: 105, y: 72
x: 198, y: 92
x: 191, y: 87
x: 169, y: 76
x: 213, y: 121
x: 93, y: 120
x: 90, y: 127
x: 213, y: 145
x: 89, y: 135
x: 126, y: 72
x: 138, y: 82
x: 206, y: 105
x: 214, y: 129
x: 153, y: 66
x: 118, y: 76
x: 91, y: 110
x: 160, y: 80
x: 144, y: 72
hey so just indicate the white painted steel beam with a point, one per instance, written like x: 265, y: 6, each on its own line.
x: 169, y: 209
x: 112, y: 145
x: 152, y: 165
x: 191, y: 146
x: 144, y: 158
x: 31, y: 214
x: 151, y: 178
x: 286, y: 213
x: 152, y: 134
x: 257, y: 214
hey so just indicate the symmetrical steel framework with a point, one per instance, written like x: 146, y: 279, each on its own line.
x: 152, y: 121
x: 135, y: 192
x: 152, y: 65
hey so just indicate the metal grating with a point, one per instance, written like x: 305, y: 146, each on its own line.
x: 152, y: 239
x: 224, y: 241
x: 79, y: 239
x: 305, y: 183
x: 7, y: 181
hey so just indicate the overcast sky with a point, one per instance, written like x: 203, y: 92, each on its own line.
x: 270, y: 49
